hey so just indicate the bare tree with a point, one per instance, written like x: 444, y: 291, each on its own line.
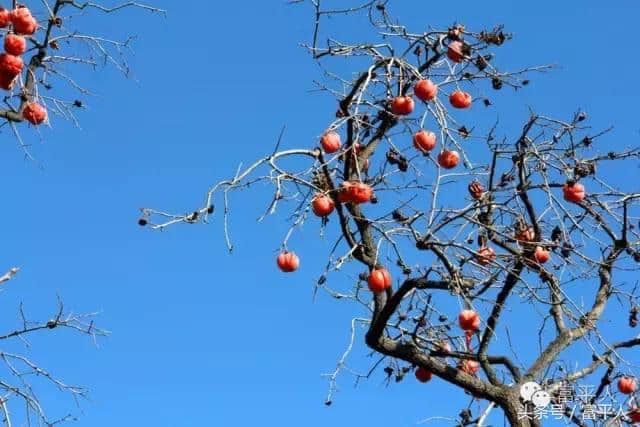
x: 43, y: 48
x: 542, y: 231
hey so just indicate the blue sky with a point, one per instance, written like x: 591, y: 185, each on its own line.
x: 201, y: 337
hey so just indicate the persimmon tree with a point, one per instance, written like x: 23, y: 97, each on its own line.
x: 44, y: 45
x: 435, y: 210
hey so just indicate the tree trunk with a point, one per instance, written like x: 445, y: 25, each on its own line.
x: 515, y: 411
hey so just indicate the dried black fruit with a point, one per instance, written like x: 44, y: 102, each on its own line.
x: 465, y: 416
x: 403, y: 164
x: 398, y: 215
x: 481, y: 62
x: 583, y: 169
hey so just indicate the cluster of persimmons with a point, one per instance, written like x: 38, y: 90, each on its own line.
x: 19, y: 23
x: 357, y: 192
x: 469, y: 322
x: 424, y: 141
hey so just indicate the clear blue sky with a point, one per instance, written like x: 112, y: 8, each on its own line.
x: 201, y: 337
